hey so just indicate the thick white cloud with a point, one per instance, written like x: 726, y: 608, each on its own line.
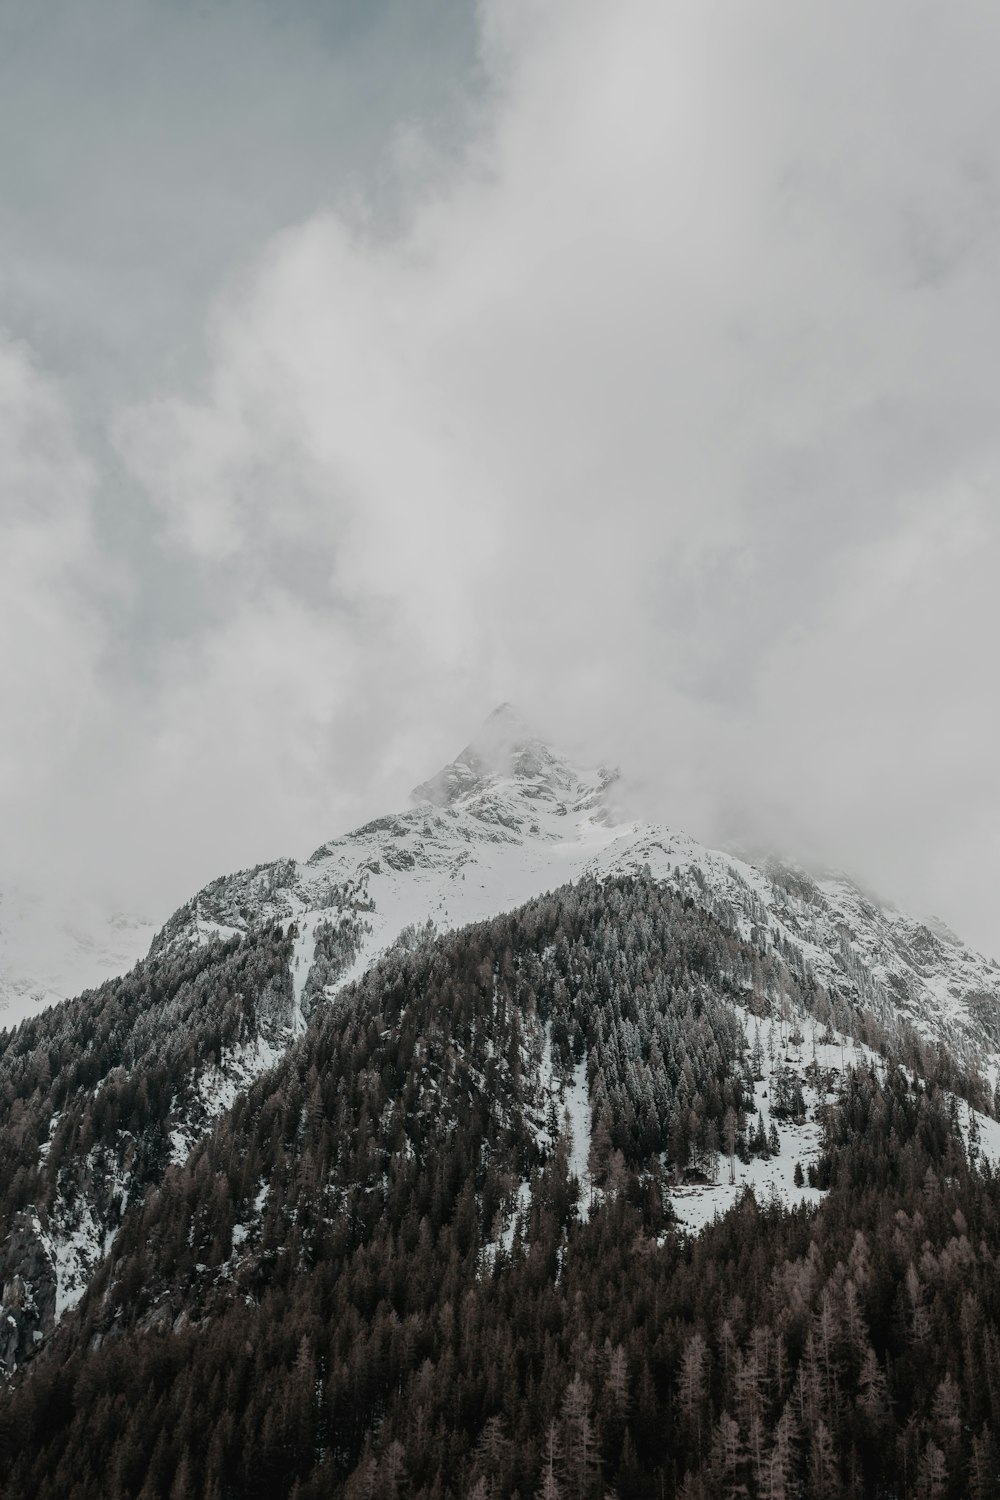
x: 51, y: 583
x: 669, y: 410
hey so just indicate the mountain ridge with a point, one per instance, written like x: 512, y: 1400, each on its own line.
x: 507, y: 818
x: 510, y: 817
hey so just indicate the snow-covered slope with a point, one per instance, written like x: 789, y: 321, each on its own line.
x: 510, y: 818
x: 51, y: 950
x: 507, y: 819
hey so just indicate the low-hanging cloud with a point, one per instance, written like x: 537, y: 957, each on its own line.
x: 669, y: 411
x: 51, y: 620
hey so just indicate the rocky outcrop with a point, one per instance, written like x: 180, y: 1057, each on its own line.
x: 27, y: 1295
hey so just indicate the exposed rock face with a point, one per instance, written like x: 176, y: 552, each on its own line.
x: 504, y: 748
x: 27, y: 1294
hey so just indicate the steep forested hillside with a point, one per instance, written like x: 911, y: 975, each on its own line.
x: 98, y: 1095
x: 411, y: 1260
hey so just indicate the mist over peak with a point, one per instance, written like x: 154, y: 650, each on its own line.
x: 504, y: 747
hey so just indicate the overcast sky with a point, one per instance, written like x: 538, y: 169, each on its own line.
x: 364, y: 364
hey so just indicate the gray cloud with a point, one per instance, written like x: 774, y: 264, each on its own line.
x: 662, y: 398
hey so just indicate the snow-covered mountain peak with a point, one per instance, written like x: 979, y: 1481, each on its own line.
x: 506, y: 749
x: 511, y: 817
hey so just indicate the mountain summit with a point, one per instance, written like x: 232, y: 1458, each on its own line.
x: 505, y: 748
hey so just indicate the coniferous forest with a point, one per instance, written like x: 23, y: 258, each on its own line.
x: 330, y: 1292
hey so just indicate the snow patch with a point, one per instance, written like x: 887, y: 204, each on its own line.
x: 76, y: 1242
x: 303, y: 954
x: 577, y: 1118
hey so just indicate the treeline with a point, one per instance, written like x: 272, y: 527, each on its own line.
x: 862, y: 1004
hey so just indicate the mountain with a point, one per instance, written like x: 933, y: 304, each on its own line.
x: 476, y: 1066
x: 510, y: 817
x: 410, y: 1259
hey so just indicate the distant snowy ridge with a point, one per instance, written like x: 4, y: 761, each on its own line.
x: 51, y: 951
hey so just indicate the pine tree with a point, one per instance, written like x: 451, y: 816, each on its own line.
x: 730, y: 1127
x: 692, y: 1389
x: 728, y: 1460
x: 872, y: 1398
x: 579, y: 1446
x: 974, y: 1147
x: 616, y: 1385
x: 759, y: 1143
x: 183, y: 1486
x: 946, y: 1415
x: 548, y: 1487
x: 824, y: 1483
x: 778, y: 1480
x: 492, y: 1450
x: 757, y: 1055
x: 932, y: 1473
x: 983, y: 1467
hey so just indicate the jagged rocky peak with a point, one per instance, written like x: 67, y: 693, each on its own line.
x: 505, y: 748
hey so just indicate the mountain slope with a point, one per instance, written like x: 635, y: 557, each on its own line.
x: 380, y: 1274
x: 98, y: 1096
x: 508, y: 819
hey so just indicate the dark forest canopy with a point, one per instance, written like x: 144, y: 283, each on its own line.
x: 315, y: 1301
